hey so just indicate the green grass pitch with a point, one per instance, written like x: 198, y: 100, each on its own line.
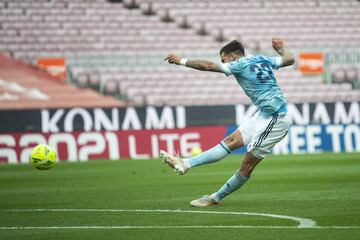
x: 323, y: 187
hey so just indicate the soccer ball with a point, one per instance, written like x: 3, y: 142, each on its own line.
x: 43, y: 157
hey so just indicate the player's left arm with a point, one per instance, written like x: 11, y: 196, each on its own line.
x: 287, y: 57
x: 202, y: 65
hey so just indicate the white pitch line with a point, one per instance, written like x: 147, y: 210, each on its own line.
x: 303, y: 222
x: 172, y: 227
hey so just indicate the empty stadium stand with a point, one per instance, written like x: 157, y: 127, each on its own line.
x: 303, y: 23
x: 26, y: 87
x: 118, y: 48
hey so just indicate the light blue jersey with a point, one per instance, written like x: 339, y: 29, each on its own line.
x: 255, y: 76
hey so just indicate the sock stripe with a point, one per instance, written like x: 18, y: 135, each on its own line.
x: 226, y: 148
x: 237, y: 173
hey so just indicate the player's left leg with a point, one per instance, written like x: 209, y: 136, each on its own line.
x: 217, y: 153
x: 240, y: 137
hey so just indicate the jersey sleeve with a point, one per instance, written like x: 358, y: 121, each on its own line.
x: 231, y: 67
x: 276, y: 62
x: 226, y: 69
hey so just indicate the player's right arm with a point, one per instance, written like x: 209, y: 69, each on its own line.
x: 202, y: 65
x: 287, y: 58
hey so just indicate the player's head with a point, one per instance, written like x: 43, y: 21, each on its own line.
x: 232, y: 51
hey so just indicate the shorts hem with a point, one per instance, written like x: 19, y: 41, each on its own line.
x: 257, y: 155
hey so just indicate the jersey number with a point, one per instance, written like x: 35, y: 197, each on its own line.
x: 263, y: 71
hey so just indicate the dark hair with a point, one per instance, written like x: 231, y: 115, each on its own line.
x: 233, y: 47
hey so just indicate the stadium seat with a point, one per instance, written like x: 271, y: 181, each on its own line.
x: 114, y: 48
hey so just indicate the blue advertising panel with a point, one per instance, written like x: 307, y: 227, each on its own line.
x: 316, y: 139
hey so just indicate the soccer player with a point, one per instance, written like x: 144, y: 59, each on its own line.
x: 254, y: 74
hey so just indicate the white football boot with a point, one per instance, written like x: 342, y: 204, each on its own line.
x: 204, y: 201
x: 174, y: 162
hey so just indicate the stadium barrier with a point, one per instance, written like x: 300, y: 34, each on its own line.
x: 80, y: 134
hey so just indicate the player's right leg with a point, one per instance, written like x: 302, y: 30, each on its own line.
x: 237, y: 180
x: 217, y: 153
x: 232, y: 184
x: 270, y: 131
